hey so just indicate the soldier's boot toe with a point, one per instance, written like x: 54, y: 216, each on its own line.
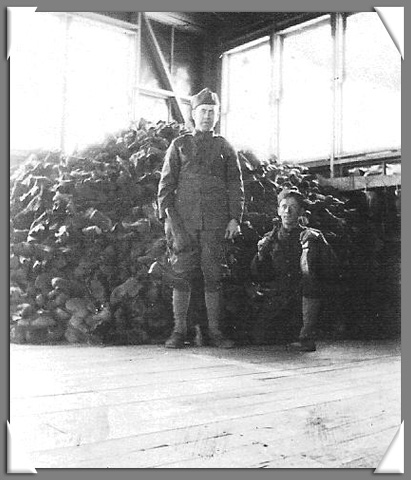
x: 302, y: 346
x: 176, y: 340
x: 217, y: 339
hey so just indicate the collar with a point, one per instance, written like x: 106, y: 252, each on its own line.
x: 284, y: 234
x: 203, y: 135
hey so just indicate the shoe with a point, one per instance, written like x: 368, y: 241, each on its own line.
x: 176, y: 340
x: 302, y: 346
x: 217, y: 339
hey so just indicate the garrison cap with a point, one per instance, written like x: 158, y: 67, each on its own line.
x: 206, y: 96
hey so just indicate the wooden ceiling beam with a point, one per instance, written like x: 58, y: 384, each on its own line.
x: 181, y: 20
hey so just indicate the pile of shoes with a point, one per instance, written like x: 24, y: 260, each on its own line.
x: 84, y: 231
x: 88, y: 258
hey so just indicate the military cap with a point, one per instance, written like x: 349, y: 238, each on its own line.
x: 206, y: 96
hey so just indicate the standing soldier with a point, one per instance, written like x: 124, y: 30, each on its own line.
x: 201, y: 198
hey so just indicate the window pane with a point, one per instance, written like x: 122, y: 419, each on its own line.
x: 372, y: 86
x: 305, y: 125
x: 36, y: 83
x: 100, y: 62
x: 152, y: 109
x: 248, y: 120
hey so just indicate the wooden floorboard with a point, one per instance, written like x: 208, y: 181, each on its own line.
x: 250, y: 407
x: 98, y: 424
x: 188, y: 391
x: 290, y: 436
x: 275, y: 423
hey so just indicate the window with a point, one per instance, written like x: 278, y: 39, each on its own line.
x: 305, y: 111
x: 181, y: 62
x: 153, y: 108
x: 77, y: 76
x: 329, y: 88
x: 246, y: 114
x: 71, y: 82
x: 371, y: 117
x: 36, y: 84
x: 99, y: 72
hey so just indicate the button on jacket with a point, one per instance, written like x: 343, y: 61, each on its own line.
x: 201, y: 178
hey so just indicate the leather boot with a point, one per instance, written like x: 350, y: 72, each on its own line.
x: 311, y: 310
x: 213, y: 306
x: 181, y: 302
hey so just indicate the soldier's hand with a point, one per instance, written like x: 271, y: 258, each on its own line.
x: 232, y: 230
x: 262, y: 246
x: 308, y: 235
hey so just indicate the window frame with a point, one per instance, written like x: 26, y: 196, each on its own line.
x: 336, y: 156
x: 278, y: 45
x: 87, y: 17
x: 225, y: 106
x: 136, y: 90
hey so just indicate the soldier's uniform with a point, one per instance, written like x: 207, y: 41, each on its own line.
x: 201, y: 178
x: 201, y: 182
x: 292, y: 280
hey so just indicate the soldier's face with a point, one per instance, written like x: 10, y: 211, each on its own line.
x: 205, y: 117
x: 289, y: 210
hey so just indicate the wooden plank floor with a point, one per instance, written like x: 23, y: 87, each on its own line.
x: 250, y: 407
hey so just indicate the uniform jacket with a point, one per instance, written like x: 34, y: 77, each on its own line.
x: 287, y: 268
x: 201, y: 178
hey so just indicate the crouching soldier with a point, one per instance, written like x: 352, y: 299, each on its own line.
x: 201, y: 198
x: 292, y: 266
